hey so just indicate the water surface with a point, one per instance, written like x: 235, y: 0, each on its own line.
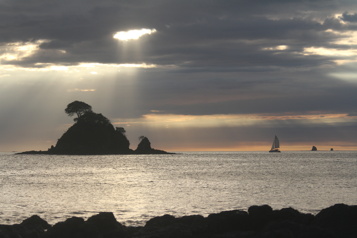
x: 138, y: 187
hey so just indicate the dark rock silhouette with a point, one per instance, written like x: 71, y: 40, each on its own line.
x: 93, y: 134
x: 314, y: 148
x: 292, y: 215
x: 144, y: 147
x: 31, y: 227
x: 101, y: 225
x: 35, y: 223
x: 338, y: 221
x: 228, y: 221
x: 259, y: 216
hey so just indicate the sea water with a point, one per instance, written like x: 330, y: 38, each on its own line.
x: 138, y: 187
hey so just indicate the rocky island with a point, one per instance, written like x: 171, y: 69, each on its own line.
x: 93, y: 134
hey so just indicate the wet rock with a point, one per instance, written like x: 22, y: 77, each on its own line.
x: 175, y: 230
x: 196, y: 223
x: 72, y: 227
x: 35, y: 226
x: 290, y: 214
x: 32, y: 227
x: 15, y: 231
x: 288, y: 228
x: 35, y: 222
x: 340, y: 220
x: 161, y: 221
x: 260, y: 211
x: 106, y: 225
x: 282, y: 229
x: 228, y: 221
x: 165, y: 226
x: 259, y: 216
x: 102, y: 225
x: 168, y: 226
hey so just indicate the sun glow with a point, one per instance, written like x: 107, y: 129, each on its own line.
x: 95, y: 68
x: 133, y: 34
x: 93, y: 65
x: 329, y: 52
x: 277, y: 48
x: 16, y: 51
x: 179, y: 121
x: 343, y: 49
x: 81, y: 90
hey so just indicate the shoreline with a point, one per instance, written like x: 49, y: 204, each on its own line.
x: 338, y: 220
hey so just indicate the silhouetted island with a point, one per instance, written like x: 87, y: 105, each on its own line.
x: 314, y: 148
x: 338, y: 221
x: 93, y: 134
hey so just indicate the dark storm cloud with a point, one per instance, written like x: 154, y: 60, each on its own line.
x: 349, y: 17
x: 204, y: 33
x: 248, y: 92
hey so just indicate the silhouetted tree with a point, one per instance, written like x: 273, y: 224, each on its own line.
x: 120, y: 129
x: 90, y: 117
x: 79, y: 108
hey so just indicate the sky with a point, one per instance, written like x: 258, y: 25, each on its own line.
x: 191, y: 75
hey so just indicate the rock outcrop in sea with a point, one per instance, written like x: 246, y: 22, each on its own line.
x: 93, y: 134
x: 338, y: 221
x: 144, y: 147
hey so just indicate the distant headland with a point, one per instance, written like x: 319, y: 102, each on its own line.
x: 93, y: 134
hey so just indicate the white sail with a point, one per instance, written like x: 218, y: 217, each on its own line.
x: 276, y: 142
x: 273, y: 145
x: 276, y: 145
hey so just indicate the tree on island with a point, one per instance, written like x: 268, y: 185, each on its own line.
x: 93, y: 118
x: 79, y: 108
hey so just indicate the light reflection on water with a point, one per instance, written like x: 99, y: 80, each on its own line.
x: 138, y: 187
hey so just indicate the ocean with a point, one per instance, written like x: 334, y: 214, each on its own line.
x: 138, y: 187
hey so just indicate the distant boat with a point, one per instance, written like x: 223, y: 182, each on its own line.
x: 331, y: 149
x: 276, y: 145
x: 314, y: 148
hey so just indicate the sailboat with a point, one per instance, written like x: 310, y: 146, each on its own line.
x: 275, y: 146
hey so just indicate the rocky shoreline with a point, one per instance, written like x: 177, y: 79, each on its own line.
x: 338, y: 221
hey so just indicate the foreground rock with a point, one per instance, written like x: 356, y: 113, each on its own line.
x: 338, y: 221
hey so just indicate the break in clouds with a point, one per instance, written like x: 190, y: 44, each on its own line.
x: 289, y: 65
